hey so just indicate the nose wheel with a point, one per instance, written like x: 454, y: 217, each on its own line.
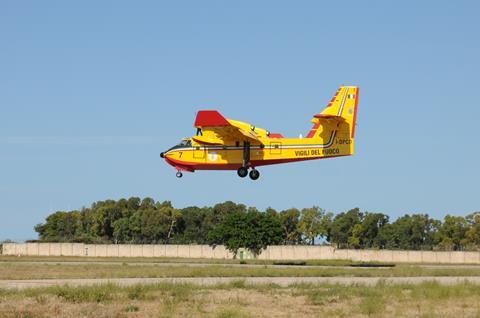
x: 179, y: 174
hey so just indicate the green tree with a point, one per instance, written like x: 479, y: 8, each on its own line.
x: 417, y: 231
x: 135, y: 223
x: 158, y: 224
x: 355, y: 239
x: 314, y: 222
x: 136, y: 220
x: 222, y: 210
x: 106, y: 213
x: 451, y: 234
x: 193, y: 225
x: 290, y: 220
x: 252, y: 230
x: 121, y: 231
x: 387, y: 237
x: 372, y: 223
x: 472, y: 236
x: 341, y: 229
x: 59, y: 227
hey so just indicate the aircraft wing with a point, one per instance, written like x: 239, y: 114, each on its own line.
x: 216, y: 129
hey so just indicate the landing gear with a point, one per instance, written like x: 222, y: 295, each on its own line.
x: 246, y: 154
x: 242, y: 172
x: 179, y: 174
x: 254, y: 174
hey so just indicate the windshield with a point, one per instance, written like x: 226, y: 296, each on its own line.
x: 183, y: 143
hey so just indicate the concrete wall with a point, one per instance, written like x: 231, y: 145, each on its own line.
x: 295, y: 252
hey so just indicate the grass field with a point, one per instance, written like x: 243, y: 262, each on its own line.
x: 59, y: 270
x: 166, y: 260
x: 236, y: 299
x: 242, y: 300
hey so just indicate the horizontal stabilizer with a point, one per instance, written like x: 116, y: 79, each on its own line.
x: 328, y: 116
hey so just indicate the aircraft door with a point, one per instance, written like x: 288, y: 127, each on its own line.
x: 199, y: 152
x: 276, y: 148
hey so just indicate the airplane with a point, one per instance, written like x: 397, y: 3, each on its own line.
x: 227, y: 144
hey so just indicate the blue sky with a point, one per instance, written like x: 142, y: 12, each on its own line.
x: 91, y: 92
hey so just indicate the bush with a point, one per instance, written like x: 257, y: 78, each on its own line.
x: 98, y: 293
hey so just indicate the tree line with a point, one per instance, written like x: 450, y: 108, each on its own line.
x: 145, y: 221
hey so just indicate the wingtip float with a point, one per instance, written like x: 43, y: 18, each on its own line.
x: 226, y: 144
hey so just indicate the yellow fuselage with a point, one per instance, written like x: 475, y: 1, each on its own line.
x: 271, y: 151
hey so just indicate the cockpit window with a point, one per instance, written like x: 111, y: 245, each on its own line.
x: 185, y: 143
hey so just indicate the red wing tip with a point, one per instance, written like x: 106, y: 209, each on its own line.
x: 210, y: 118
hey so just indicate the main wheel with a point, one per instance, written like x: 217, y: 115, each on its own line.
x: 254, y: 174
x: 242, y: 172
x: 179, y: 174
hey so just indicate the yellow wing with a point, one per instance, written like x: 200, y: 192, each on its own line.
x: 217, y: 130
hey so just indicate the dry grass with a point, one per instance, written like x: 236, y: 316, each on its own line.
x: 30, y: 270
x: 166, y: 260
x: 242, y: 300
x: 236, y: 299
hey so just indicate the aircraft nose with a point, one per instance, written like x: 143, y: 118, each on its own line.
x: 162, y: 154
